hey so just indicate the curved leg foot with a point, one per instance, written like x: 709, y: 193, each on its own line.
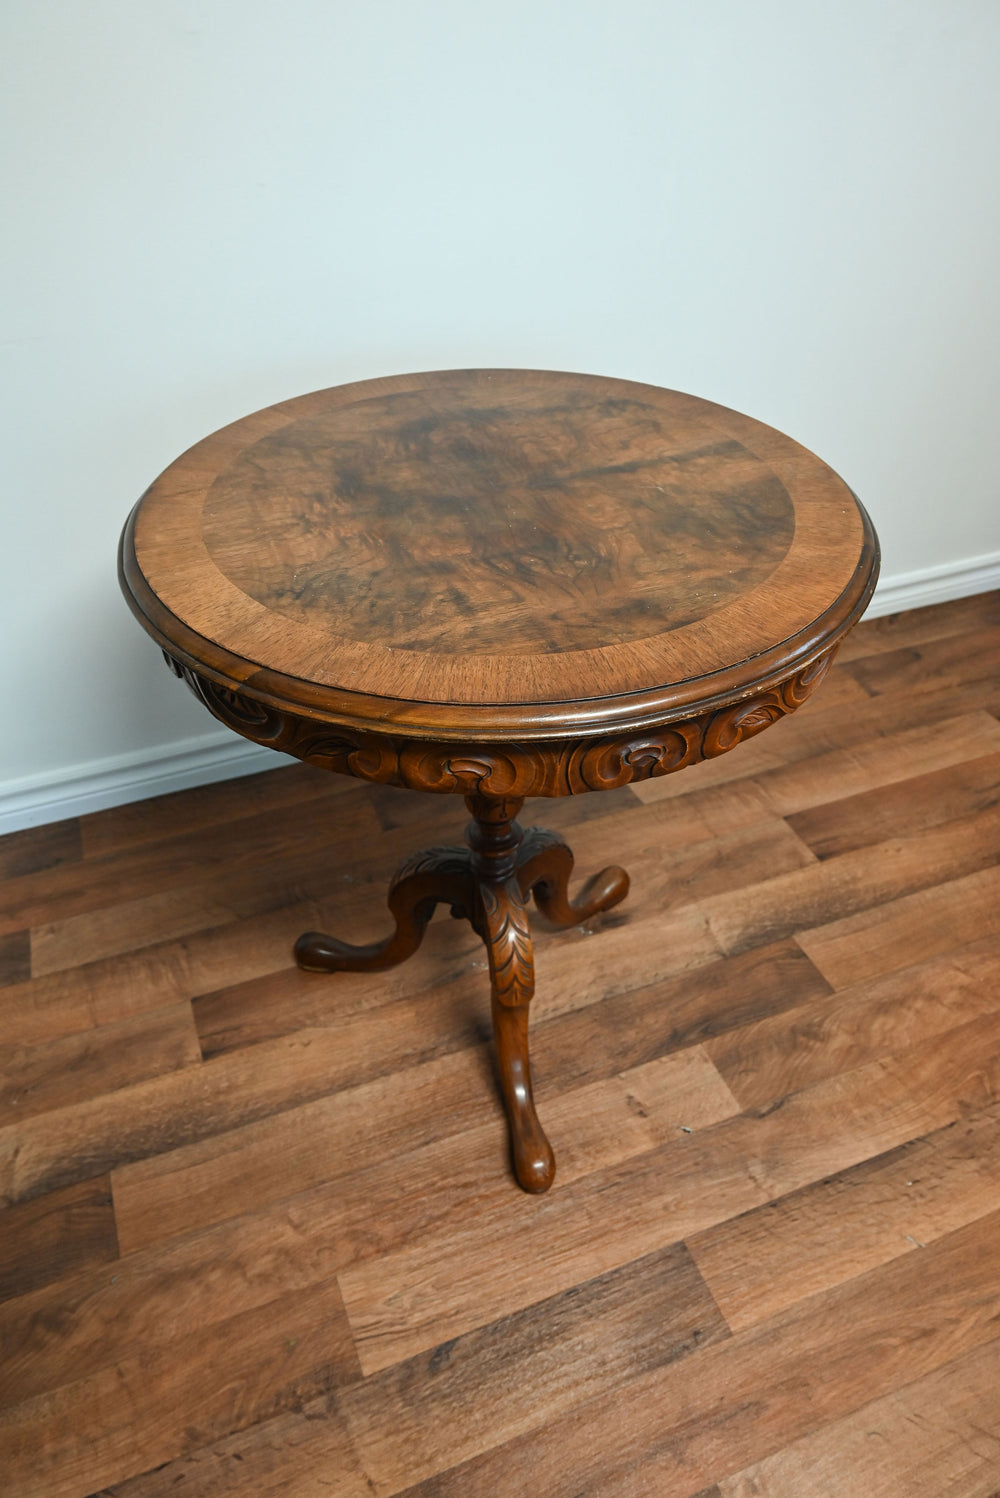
x: 512, y: 977
x: 489, y: 884
x: 440, y: 875
x: 544, y: 866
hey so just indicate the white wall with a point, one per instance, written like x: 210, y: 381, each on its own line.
x: 790, y: 207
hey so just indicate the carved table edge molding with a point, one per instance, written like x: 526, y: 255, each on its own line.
x: 565, y: 766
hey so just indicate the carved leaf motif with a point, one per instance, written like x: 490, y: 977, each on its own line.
x: 245, y: 714
x: 760, y: 717
x: 434, y: 861
x: 605, y: 765
x: 537, y: 840
x: 239, y: 708
x: 555, y: 767
x: 508, y: 942
x: 366, y: 756
x: 463, y: 768
x: 797, y: 688
x: 731, y: 725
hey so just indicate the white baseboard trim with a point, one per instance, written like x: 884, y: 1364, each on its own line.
x: 917, y: 590
x: 156, y: 772
x: 130, y: 777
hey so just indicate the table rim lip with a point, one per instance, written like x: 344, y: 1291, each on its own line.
x: 498, y: 722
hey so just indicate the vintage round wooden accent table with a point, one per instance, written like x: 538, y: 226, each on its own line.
x: 502, y: 584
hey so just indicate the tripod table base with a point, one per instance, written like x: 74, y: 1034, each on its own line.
x: 488, y: 884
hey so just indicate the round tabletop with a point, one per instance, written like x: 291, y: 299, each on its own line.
x: 497, y: 554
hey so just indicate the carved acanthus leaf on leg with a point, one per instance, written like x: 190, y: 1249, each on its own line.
x: 508, y: 940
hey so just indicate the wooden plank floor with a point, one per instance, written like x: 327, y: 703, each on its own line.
x: 258, y: 1231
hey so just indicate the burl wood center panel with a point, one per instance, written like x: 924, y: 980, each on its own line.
x: 499, y: 538
x: 404, y: 522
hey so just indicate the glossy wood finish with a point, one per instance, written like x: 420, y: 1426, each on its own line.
x: 767, y: 1267
x: 497, y: 554
x: 502, y: 584
x: 564, y: 766
x: 488, y: 886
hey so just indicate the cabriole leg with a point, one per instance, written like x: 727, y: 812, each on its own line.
x: 490, y: 885
x: 437, y: 876
x: 544, y: 864
x: 512, y: 982
x: 495, y: 839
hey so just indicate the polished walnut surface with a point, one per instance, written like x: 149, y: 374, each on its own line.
x: 500, y: 584
x: 511, y: 553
